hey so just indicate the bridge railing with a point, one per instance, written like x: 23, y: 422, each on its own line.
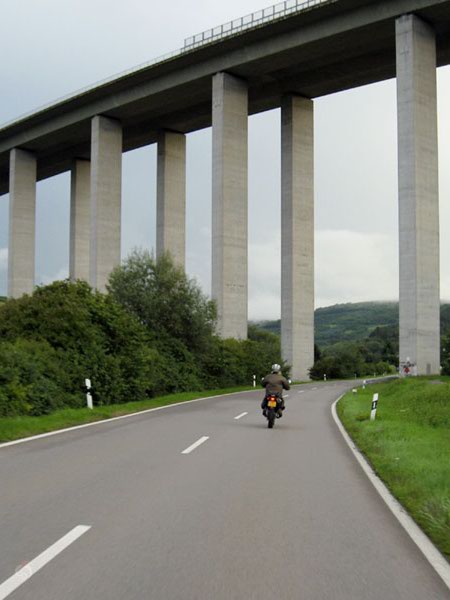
x: 255, y: 19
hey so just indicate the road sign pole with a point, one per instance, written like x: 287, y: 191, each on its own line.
x: 373, y: 412
x: 89, y: 401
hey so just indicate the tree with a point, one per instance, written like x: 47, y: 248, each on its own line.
x: 164, y: 299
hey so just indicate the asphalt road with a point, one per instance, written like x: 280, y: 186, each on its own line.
x: 251, y: 513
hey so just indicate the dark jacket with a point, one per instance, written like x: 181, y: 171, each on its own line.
x: 275, y: 383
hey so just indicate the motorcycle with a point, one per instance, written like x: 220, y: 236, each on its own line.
x: 272, y: 409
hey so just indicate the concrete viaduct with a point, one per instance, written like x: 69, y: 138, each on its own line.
x: 283, y: 57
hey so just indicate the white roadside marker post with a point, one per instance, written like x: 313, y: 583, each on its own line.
x: 364, y: 384
x: 373, y: 412
x: 89, y: 402
x: 324, y: 376
x: 254, y: 380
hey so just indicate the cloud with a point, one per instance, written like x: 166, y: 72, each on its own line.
x: 349, y: 267
x: 355, y: 267
x: 3, y: 259
x: 60, y: 275
x: 264, y: 260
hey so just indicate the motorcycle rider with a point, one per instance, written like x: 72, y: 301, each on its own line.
x: 275, y: 383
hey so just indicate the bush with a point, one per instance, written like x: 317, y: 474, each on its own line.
x: 153, y: 334
x: 31, y: 379
x: 234, y: 362
x: 89, y: 335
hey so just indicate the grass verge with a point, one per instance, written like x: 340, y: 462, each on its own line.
x: 14, y: 428
x: 408, y: 446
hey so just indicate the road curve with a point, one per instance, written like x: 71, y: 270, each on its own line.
x: 247, y: 513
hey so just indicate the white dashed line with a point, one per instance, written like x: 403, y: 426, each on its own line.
x: 301, y: 391
x: 240, y: 416
x: 105, y: 421
x: 198, y: 443
x: 40, y: 561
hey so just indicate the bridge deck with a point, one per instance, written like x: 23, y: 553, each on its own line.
x: 334, y: 47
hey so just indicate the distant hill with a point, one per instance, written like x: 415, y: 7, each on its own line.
x: 351, y: 322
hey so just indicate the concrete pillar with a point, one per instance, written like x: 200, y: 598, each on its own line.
x: 229, y: 204
x: 297, y: 234
x: 106, y: 183
x: 418, y: 194
x: 80, y: 220
x: 22, y: 221
x: 171, y: 196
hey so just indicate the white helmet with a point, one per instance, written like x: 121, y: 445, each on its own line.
x: 276, y: 368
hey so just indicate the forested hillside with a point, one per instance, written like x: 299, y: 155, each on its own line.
x: 361, y: 339
x: 353, y: 322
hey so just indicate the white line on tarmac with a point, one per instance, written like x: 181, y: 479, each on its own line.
x: 103, y: 421
x: 40, y: 561
x: 425, y: 545
x: 198, y: 443
x: 286, y: 395
x: 240, y: 416
x: 301, y: 391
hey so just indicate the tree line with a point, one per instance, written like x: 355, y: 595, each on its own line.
x: 152, y: 333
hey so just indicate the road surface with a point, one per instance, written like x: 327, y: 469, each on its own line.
x: 244, y: 513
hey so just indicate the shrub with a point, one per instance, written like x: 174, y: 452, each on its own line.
x: 89, y: 335
x: 31, y: 379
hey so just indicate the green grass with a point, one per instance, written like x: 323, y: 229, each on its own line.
x: 13, y: 428
x: 408, y: 445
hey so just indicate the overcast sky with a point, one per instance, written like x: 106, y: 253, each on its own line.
x: 50, y: 48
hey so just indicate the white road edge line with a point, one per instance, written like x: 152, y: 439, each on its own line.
x: 301, y: 392
x: 240, y: 416
x: 198, y: 443
x: 422, y: 541
x: 40, y: 561
x: 103, y: 421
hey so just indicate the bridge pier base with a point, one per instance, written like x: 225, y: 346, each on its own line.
x: 80, y: 220
x: 22, y: 223
x: 106, y: 183
x: 229, y: 204
x: 171, y: 196
x: 297, y: 234
x: 418, y: 195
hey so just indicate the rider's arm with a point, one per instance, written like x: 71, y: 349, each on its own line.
x: 286, y: 385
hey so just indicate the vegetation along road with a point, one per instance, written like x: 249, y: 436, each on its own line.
x: 408, y: 445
